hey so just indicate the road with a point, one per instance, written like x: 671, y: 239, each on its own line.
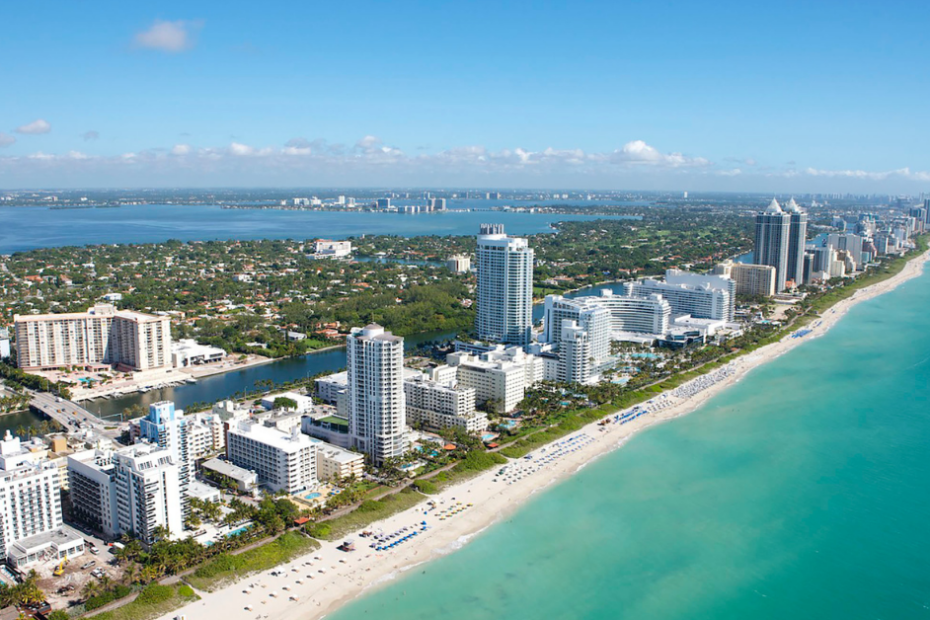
x: 68, y: 413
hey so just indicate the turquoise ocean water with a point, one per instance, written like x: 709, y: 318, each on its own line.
x: 801, y: 492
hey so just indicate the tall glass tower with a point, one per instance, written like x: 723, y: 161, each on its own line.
x: 797, y: 239
x: 772, y: 231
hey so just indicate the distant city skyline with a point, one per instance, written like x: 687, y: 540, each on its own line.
x: 798, y: 97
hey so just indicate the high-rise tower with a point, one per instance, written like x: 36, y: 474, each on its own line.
x: 797, y: 239
x: 377, y: 409
x: 505, y: 287
x: 772, y: 231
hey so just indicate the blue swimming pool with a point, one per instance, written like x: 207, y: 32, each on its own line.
x: 237, y: 531
x: 311, y: 496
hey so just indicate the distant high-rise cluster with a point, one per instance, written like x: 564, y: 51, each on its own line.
x: 505, y: 287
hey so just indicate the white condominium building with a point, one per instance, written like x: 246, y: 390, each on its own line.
x: 283, y: 461
x: 849, y: 242
x: 576, y: 364
x: 752, y: 280
x: 773, y: 229
x: 166, y: 427
x: 505, y: 287
x: 30, y: 496
x: 135, y: 489
x: 459, y: 263
x: 324, y: 248
x: 587, y: 312
x: 439, y: 406
x: 702, y: 297
x: 376, y: 404
x: 102, y: 335
x: 501, y: 375
x: 706, y: 281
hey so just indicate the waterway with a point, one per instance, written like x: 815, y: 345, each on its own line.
x: 223, y: 386
x: 801, y: 492
x: 226, y: 385
x: 28, y: 228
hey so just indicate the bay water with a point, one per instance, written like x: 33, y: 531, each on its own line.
x: 801, y: 492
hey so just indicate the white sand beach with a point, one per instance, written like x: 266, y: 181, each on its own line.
x: 317, y: 584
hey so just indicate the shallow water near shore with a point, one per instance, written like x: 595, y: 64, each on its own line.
x: 799, y: 492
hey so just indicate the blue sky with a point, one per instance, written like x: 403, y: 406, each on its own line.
x: 791, y: 96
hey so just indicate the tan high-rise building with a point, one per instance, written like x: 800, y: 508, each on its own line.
x: 102, y: 335
x: 753, y: 280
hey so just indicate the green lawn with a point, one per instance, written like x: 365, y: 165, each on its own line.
x: 154, y: 601
x: 227, y: 568
x: 367, y: 513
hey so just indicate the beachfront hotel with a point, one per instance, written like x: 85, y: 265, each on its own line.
x: 505, y: 287
x: 102, y: 335
x: 439, y: 406
x: 376, y: 402
x: 752, y: 280
x: 501, y: 375
x: 700, y: 296
x: 773, y: 229
x: 283, y: 461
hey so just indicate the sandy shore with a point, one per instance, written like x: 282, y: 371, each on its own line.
x: 329, y: 577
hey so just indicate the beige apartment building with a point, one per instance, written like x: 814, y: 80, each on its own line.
x: 102, y: 335
x: 754, y: 280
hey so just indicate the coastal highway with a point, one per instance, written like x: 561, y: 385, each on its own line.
x: 67, y: 413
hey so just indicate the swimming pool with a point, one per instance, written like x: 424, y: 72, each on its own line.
x: 311, y: 496
x: 238, y: 531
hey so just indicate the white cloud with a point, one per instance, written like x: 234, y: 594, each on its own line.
x: 35, y: 127
x: 6, y: 139
x: 168, y: 36
x: 241, y: 150
x: 638, y: 153
x: 370, y: 161
x: 369, y: 142
x: 904, y: 173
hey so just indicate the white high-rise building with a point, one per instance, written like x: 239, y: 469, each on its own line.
x: 102, y: 335
x: 701, y: 296
x: 703, y: 281
x: 283, y: 461
x: 441, y: 406
x: 167, y: 427
x: 134, y: 489
x: 501, y: 375
x: 576, y: 364
x: 797, y: 240
x: 30, y: 495
x: 773, y: 229
x: 588, y: 312
x: 849, y: 242
x: 505, y: 287
x: 148, y: 491
x: 377, y: 410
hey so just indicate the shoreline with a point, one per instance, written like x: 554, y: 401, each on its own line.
x: 348, y: 576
